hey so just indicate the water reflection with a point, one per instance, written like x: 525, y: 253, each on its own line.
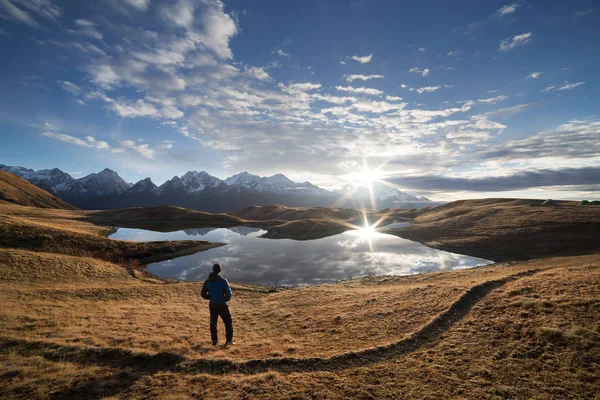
x: 285, y: 262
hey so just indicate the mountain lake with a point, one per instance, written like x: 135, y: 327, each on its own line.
x: 248, y: 258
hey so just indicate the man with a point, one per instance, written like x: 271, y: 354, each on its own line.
x: 217, y: 290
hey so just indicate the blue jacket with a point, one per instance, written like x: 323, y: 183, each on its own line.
x: 216, y: 289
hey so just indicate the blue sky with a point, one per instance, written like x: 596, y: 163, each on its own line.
x: 447, y: 99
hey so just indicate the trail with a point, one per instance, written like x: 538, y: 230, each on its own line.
x: 145, y: 364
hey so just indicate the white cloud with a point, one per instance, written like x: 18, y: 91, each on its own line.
x: 19, y: 11
x: 566, y: 86
x: 493, y: 100
x: 99, y: 144
x: 534, y: 75
x: 362, y: 60
x: 281, y: 53
x: 453, y: 53
x: 89, y: 142
x: 353, y: 77
x: 420, y: 71
x: 343, y: 62
x: 360, y: 90
x: 171, y: 112
x: 519, y: 40
x: 393, y: 98
x: 422, y: 49
x: 88, y: 28
x: 508, y: 9
x: 258, y: 73
x: 218, y: 29
x: 70, y: 87
x: 179, y: 13
x: 139, y: 4
x: 569, y: 86
x: 299, y: 87
x: 160, y: 57
x: 104, y: 76
x: 428, y: 89
x: 143, y: 149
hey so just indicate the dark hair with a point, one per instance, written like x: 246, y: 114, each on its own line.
x: 217, y: 268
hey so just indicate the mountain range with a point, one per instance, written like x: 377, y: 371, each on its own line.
x: 204, y: 192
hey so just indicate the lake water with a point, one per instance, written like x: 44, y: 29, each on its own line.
x: 284, y: 262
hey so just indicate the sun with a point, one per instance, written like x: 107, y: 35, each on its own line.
x: 365, y: 177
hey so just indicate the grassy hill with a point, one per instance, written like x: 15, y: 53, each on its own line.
x: 16, y: 190
x: 76, y: 324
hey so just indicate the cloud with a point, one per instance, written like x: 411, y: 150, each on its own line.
x: 417, y: 70
x: 493, y: 100
x: 428, y: 89
x: 584, y: 13
x: 19, y: 11
x: 281, y: 53
x: 519, y: 180
x: 143, y: 149
x: 507, y: 111
x: 362, y: 60
x: 104, y: 76
x: 516, y: 41
x: 582, y: 137
x: 179, y: 13
x: 258, y: 73
x: 218, y: 29
x: 422, y: 49
x: 70, y: 87
x: 89, y: 142
x: 393, y: 98
x: 534, y: 75
x: 353, y: 77
x: 508, y: 9
x: 139, y: 4
x: 360, y: 90
x: 88, y: 28
x: 566, y: 86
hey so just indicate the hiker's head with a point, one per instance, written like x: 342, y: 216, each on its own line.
x: 217, y: 268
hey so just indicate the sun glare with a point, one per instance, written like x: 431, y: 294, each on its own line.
x: 364, y: 177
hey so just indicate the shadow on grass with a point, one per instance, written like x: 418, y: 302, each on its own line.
x: 140, y: 364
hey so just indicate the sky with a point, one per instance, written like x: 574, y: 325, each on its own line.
x: 461, y: 99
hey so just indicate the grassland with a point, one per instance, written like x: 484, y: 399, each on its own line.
x: 75, y: 323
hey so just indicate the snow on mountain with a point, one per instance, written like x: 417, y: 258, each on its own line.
x: 53, y: 180
x: 243, y: 179
x: 144, y: 186
x: 277, y: 184
x: 104, y: 183
x: 201, y: 190
x: 194, y: 181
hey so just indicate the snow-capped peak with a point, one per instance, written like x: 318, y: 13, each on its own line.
x: 194, y: 181
x: 105, y: 182
x: 242, y: 178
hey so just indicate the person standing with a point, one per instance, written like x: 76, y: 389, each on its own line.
x: 216, y: 289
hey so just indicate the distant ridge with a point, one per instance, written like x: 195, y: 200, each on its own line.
x: 203, y: 192
x: 16, y: 190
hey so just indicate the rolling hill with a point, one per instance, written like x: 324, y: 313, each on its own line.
x: 16, y: 190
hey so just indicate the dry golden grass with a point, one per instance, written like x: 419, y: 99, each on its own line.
x: 508, y: 229
x: 16, y: 190
x: 77, y: 325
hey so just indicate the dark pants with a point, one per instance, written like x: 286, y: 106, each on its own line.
x: 216, y: 311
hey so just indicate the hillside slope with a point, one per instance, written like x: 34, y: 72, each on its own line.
x: 16, y: 190
x: 507, y: 229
